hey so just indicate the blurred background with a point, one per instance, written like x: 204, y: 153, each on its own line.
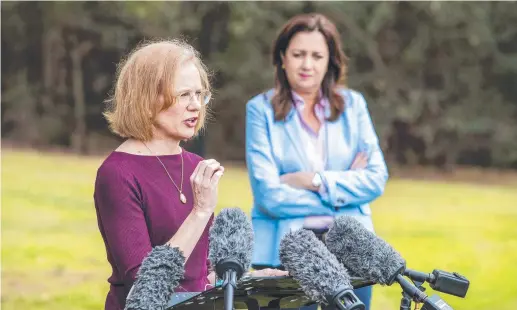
x: 440, y: 79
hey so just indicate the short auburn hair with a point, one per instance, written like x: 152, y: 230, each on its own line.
x: 337, y: 67
x: 146, y: 73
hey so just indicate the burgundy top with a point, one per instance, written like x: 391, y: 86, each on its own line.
x: 138, y: 207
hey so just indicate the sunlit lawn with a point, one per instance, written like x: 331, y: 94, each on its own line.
x: 53, y: 256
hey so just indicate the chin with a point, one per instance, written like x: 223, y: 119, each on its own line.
x: 181, y: 136
x: 186, y: 135
x: 307, y: 86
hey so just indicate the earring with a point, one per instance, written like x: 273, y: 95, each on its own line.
x: 283, y: 66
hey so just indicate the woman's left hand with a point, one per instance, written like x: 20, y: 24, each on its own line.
x: 360, y: 161
x: 268, y: 272
x: 299, y: 179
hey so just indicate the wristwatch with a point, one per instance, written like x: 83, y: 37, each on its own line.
x: 316, y: 180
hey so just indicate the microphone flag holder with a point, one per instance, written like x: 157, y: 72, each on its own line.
x: 415, y: 292
x: 252, y: 293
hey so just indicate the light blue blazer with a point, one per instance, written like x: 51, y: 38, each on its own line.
x: 273, y: 148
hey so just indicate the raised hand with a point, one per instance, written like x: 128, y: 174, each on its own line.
x: 205, y: 183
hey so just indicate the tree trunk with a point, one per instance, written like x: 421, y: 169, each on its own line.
x: 79, y: 135
x: 49, y: 66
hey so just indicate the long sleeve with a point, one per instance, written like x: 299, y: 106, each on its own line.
x: 270, y: 195
x: 121, y: 221
x: 362, y: 185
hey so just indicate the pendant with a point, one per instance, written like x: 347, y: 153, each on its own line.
x: 183, y: 199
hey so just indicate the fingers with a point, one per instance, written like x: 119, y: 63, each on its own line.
x: 206, y: 173
x: 220, y: 169
x: 203, y: 169
x: 358, y: 158
x: 198, y: 176
x: 277, y: 273
x: 211, y: 168
x: 364, y: 161
x: 268, y: 272
x: 360, y: 161
x: 194, y: 176
x: 195, y: 171
x: 217, y: 175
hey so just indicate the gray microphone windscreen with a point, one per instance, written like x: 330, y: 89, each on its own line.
x: 231, y: 238
x: 160, y: 272
x: 362, y: 252
x: 309, y: 262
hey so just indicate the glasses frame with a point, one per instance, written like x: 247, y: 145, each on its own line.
x: 206, y: 94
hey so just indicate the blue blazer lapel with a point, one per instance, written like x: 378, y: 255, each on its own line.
x: 341, y: 148
x: 339, y: 152
x: 292, y: 129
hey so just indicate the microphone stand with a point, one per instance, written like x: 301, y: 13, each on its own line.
x: 229, y: 285
x: 405, y: 301
x: 229, y: 270
x: 410, y: 292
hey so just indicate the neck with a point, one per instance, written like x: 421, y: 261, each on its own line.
x: 309, y: 98
x: 164, y: 146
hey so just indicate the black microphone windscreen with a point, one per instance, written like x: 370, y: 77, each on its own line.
x: 309, y: 262
x: 231, y: 238
x: 362, y: 252
x: 160, y: 272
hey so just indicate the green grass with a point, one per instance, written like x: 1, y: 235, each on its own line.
x: 53, y: 256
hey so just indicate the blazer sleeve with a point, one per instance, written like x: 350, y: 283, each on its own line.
x: 362, y: 185
x: 272, y: 197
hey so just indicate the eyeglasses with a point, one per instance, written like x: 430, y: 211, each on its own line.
x: 187, y: 97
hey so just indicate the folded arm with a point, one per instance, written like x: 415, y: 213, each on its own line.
x: 270, y: 194
x: 359, y: 186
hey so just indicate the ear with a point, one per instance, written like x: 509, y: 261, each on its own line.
x: 282, y: 56
x: 161, y: 102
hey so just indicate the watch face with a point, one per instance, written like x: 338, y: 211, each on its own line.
x: 316, y: 181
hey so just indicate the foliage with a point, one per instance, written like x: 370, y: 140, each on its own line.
x: 439, y: 77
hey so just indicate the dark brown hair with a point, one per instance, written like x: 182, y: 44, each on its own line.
x: 337, y: 67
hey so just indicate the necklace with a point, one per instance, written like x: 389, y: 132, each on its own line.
x: 183, y: 199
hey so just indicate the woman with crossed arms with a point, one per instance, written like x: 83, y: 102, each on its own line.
x: 311, y: 149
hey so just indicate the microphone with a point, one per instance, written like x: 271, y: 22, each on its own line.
x: 362, y: 252
x: 231, y: 249
x: 160, y: 272
x: 320, y: 275
x: 441, y: 281
x: 372, y: 258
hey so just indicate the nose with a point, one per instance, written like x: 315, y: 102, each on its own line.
x: 195, y: 104
x: 307, y: 62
